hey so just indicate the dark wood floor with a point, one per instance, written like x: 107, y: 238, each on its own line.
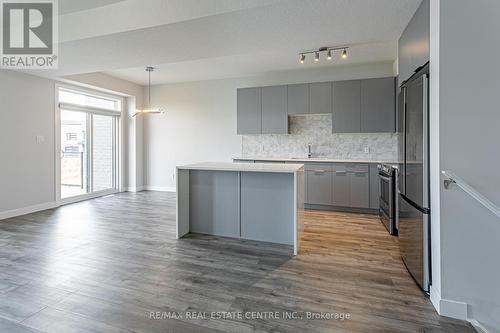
x: 104, y: 265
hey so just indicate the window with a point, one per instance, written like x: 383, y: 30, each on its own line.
x: 84, y: 99
x: 89, y: 143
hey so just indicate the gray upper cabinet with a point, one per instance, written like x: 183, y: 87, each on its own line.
x: 320, y: 97
x: 378, y: 113
x: 249, y: 111
x: 274, y: 110
x: 346, y: 106
x: 298, y: 98
x: 413, y: 46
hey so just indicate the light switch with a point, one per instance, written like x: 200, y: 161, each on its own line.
x: 367, y: 150
x: 40, y: 139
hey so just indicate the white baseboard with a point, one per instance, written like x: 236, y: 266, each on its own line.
x: 27, y: 210
x: 453, y: 309
x: 134, y: 189
x: 477, y: 325
x: 435, y: 297
x: 160, y: 188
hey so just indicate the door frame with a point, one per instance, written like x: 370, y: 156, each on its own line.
x: 117, y: 149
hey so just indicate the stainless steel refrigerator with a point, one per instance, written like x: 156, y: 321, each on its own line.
x: 414, y: 196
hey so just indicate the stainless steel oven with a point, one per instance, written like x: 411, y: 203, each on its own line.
x: 387, y: 197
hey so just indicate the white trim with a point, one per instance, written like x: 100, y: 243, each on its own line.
x: 160, y: 188
x: 478, y: 326
x: 435, y: 297
x: 88, y: 109
x: 27, y: 210
x: 434, y: 153
x: 86, y: 196
x: 134, y: 189
x: 453, y: 309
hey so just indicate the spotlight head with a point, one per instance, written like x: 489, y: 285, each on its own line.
x: 344, y: 54
x: 329, y: 55
x: 302, y: 58
x: 316, y: 56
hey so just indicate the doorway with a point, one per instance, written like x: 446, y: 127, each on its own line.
x: 88, y: 144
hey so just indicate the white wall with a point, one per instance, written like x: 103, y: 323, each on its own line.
x: 26, y: 167
x: 469, y: 119
x: 200, y: 120
x: 27, y: 110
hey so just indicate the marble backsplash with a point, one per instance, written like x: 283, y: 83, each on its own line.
x: 317, y: 130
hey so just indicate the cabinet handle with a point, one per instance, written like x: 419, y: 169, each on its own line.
x: 319, y: 171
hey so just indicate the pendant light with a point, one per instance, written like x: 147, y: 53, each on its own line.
x: 149, y: 110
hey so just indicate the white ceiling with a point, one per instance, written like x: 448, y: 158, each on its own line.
x: 71, y: 6
x: 207, y: 39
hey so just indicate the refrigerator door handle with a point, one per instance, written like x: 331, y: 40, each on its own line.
x: 403, y: 171
x: 425, y: 105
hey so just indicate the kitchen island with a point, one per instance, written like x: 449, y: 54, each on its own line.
x: 256, y: 201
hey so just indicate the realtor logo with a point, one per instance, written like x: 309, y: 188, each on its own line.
x: 29, y: 34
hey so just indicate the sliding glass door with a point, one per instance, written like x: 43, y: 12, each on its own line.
x: 88, y: 144
x: 74, y: 153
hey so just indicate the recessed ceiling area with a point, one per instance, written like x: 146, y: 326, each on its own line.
x: 253, y: 64
x: 189, y: 40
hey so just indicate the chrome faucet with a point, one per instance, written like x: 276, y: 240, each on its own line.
x: 309, y: 152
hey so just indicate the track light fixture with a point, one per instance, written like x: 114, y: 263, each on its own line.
x: 330, y: 50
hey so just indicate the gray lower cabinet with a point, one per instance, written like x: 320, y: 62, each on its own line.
x: 378, y: 113
x: 319, y: 187
x: 320, y: 97
x: 349, y: 185
x: 359, y: 180
x: 274, y: 110
x: 298, y: 98
x: 346, y: 107
x: 249, y: 111
x: 341, y: 186
x: 374, y: 187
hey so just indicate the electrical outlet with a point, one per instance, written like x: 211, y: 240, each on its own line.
x: 366, y: 150
x: 40, y: 139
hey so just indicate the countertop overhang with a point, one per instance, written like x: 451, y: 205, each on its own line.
x: 245, y: 167
x: 312, y: 159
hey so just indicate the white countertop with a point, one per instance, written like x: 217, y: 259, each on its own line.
x: 306, y: 159
x: 244, y: 167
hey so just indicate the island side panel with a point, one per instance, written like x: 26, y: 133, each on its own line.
x: 267, y: 207
x: 214, y: 203
x: 182, y: 227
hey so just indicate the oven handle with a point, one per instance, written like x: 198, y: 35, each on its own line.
x: 389, y: 179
